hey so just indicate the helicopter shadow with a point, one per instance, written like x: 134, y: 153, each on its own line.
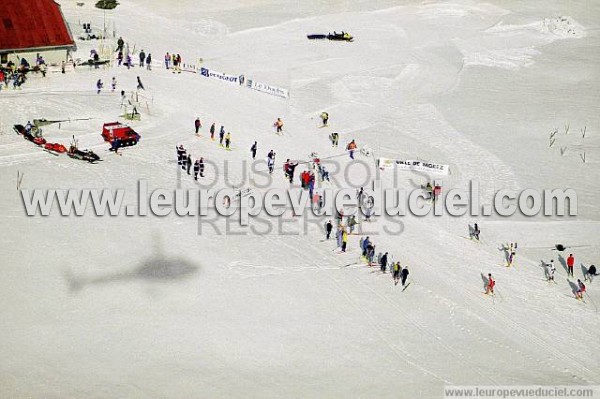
x: 157, y: 268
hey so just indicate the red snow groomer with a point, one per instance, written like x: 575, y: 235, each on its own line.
x: 119, y: 135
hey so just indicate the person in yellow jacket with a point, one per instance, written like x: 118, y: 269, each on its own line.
x: 324, y: 118
x: 344, y: 240
x: 227, y: 140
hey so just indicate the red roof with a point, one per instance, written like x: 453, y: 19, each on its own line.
x: 32, y: 24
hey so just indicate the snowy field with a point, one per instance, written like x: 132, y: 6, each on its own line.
x: 476, y: 86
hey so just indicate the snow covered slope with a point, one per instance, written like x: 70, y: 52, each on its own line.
x: 142, y: 307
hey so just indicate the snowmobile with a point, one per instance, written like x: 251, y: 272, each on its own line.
x: 35, y: 136
x: 342, y: 36
x: 84, y: 155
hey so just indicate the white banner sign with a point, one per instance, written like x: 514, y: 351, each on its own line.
x: 220, y: 76
x: 424, y: 166
x: 265, y: 88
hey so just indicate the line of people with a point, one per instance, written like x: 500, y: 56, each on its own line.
x: 224, y: 138
x: 184, y: 159
x: 398, y: 272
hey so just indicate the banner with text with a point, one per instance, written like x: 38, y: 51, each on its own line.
x: 208, y: 73
x: 265, y: 88
x: 424, y: 166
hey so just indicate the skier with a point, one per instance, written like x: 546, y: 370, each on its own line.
x: 278, y: 125
x: 370, y: 253
x: 188, y: 163
x: 591, y: 271
x: 113, y: 83
x: 142, y: 58
x: 178, y: 63
x: 404, y: 274
x: 291, y: 168
x: 311, y: 188
x: 580, y: 290
x: 183, y: 159
x: 339, y: 236
x: 253, y: 150
x: 221, y: 135
x: 304, y: 179
x: 212, y: 131
x: 227, y: 141
x: 196, y: 169
x: 512, y: 252
x: 197, y: 125
x: 99, y: 85
x: 475, y: 233
x: 359, y: 196
x: 96, y: 59
x: 119, y: 58
x: 396, y: 270
x: 120, y: 44
x: 167, y: 60
x: 429, y: 190
x: 437, y: 190
x: 570, y: 264
x: 550, y: 269
x: 344, y: 240
x: 149, y: 62
x: 383, y: 262
x: 352, y: 223
x: 201, y: 166
x: 270, y: 165
x: 140, y: 85
x: 351, y: 147
x: 180, y: 152
x: 335, y: 137
x: 116, y: 144
x: 328, y: 229
x: 364, y: 244
x: 489, y: 289
x: 324, y: 118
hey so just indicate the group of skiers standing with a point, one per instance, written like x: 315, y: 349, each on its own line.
x: 398, y: 272
x: 174, y: 61
x: 184, y: 159
x: 113, y: 85
x: 224, y: 138
x: 580, y: 288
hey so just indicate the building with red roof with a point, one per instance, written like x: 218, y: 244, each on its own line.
x: 32, y: 27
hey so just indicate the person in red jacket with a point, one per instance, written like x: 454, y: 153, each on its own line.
x: 490, y: 285
x: 570, y: 264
